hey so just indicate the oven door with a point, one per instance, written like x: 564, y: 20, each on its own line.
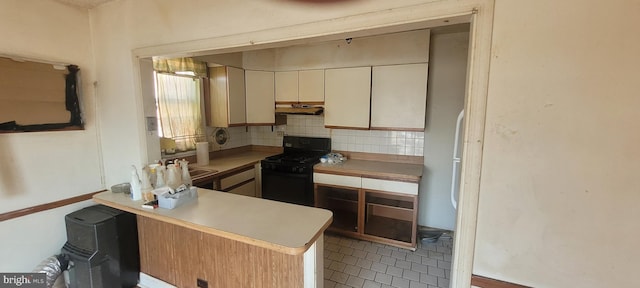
x: 287, y: 187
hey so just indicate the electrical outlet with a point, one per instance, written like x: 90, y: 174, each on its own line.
x: 202, y: 283
x: 280, y: 133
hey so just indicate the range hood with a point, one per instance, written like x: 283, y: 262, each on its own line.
x: 300, y: 110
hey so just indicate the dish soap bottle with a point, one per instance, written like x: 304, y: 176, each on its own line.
x: 136, y: 185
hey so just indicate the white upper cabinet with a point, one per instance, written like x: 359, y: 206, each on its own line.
x: 347, y: 97
x: 311, y: 86
x: 399, y: 97
x: 286, y: 87
x: 237, y: 99
x: 227, y: 104
x: 260, y: 97
x: 304, y: 86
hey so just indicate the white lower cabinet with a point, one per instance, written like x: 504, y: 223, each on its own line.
x: 384, y: 211
x: 241, y: 182
x: 246, y: 189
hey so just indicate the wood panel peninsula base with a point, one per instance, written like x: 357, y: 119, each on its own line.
x: 229, y: 240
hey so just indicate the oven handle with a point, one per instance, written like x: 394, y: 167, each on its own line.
x: 287, y: 174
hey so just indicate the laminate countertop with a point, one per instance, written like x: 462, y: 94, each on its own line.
x: 374, y: 169
x: 278, y: 226
x: 234, y: 161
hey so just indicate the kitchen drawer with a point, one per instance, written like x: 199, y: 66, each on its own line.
x: 236, y: 179
x: 390, y: 186
x: 338, y: 180
x: 247, y: 189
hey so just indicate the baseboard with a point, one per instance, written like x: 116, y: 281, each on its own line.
x: 147, y: 281
x: 484, y: 282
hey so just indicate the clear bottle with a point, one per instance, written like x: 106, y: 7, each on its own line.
x: 146, y: 185
x: 160, y: 178
x: 186, y: 177
x: 174, y: 179
x: 136, y: 185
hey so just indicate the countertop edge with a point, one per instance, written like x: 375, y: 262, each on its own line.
x: 224, y: 234
x: 339, y: 170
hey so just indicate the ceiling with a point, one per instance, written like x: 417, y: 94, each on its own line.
x: 88, y: 4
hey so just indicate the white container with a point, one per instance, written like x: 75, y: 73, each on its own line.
x: 202, y: 153
x: 180, y: 198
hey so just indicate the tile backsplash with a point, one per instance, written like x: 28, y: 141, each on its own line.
x: 374, y: 141
x: 370, y: 141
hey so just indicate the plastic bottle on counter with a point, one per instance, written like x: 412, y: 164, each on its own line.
x: 153, y: 167
x: 146, y: 185
x: 186, y: 177
x: 136, y: 185
x: 160, y: 180
x: 174, y: 178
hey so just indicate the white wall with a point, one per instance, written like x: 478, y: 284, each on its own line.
x: 445, y: 100
x: 41, y: 167
x: 560, y: 187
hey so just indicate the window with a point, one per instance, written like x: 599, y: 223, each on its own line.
x: 179, y: 103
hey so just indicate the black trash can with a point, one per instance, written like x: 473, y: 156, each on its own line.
x: 102, y: 248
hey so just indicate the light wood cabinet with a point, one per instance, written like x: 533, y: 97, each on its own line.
x: 399, y: 97
x: 260, y: 98
x: 384, y: 211
x: 390, y: 215
x: 347, y: 97
x: 227, y: 101
x: 304, y: 86
x: 343, y: 202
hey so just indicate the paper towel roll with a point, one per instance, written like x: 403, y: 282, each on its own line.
x: 202, y: 153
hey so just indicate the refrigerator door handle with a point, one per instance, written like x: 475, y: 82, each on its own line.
x: 454, y: 183
x: 456, y: 160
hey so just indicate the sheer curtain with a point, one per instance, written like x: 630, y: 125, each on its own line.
x: 179, y: 110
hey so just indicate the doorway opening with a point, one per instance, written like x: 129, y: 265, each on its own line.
x: 475, y: 100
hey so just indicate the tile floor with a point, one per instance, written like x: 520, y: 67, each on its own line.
x: 363, y: 264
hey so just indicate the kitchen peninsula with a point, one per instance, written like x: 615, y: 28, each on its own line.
x: 229, y: 240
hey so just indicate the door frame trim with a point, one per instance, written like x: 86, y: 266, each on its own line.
x: 479, y: 13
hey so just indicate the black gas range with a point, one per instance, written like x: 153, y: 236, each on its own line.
x: 288, y: 177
